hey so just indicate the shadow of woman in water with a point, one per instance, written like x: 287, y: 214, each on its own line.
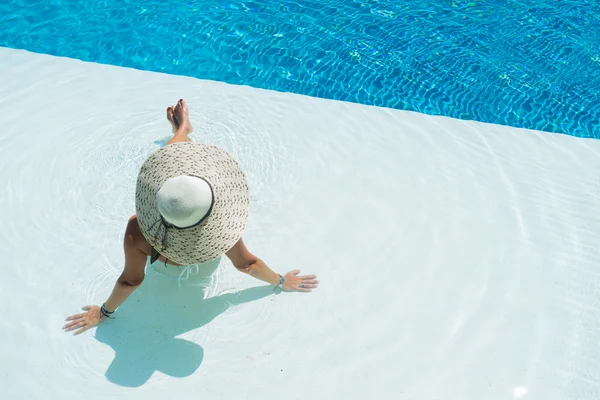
x: 143, y: 335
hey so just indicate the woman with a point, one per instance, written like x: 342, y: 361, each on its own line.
x: 192, y: 205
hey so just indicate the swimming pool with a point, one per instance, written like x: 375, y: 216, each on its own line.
x: 457, y: 259
x: 533, y: 64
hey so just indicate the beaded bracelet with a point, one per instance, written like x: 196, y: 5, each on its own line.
x: 281, y: 281
x: 105, y: 312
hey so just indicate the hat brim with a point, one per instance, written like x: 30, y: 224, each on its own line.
x: 221, y: 229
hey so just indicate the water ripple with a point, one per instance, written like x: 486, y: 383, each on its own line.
x: 528, y: 64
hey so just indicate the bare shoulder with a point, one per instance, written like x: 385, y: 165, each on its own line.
x: 134, y: 236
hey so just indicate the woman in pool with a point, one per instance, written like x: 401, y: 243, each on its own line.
x: 191, y: 207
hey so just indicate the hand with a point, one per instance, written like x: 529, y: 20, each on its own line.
x: 85, y: 320
x: 294, y: 283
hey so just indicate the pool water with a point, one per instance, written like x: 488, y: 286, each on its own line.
x: 532, y: 64
x: 457, y: 260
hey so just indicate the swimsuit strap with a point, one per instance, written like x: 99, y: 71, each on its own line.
x: 154, y: 256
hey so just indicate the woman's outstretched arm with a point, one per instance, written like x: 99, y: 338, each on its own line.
x: 248, y: 263
x: 131, y: 278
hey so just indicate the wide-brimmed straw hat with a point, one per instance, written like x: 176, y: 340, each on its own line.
x: 192, y: 202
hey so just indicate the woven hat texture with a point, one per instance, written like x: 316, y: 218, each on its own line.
x: 227, y: 220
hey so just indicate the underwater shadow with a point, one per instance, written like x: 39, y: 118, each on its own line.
x: 163, y: 142
x: 143, y: 334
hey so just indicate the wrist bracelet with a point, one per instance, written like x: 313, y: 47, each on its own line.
x: 281, y: 281
x: 105, y: 312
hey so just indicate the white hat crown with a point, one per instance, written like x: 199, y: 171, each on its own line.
x: 184, y: 200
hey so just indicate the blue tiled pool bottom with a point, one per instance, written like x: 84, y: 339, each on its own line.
x: 532, y: 64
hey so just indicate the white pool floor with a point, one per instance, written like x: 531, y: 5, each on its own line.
x: 457, y: 260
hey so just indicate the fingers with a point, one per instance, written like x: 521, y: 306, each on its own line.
x: 80, y: 315
x: 74, y: 325
x: 309, y: 281
x: 303, y: 277
x: 80, y: 331
x: 306, y: 286
x: 74, y: 317
x: 303, y: 283
x: 309, y: 286
x: 78, y: 320
x: 67, y: 327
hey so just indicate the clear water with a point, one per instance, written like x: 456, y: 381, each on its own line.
x: 457, y: 261
x: 533, y: 64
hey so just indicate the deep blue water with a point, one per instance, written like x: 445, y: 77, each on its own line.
x: 533, y: 64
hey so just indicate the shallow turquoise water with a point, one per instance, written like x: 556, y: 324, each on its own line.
x: 533, y: 64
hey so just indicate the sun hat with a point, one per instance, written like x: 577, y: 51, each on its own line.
x: 192, y: 202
